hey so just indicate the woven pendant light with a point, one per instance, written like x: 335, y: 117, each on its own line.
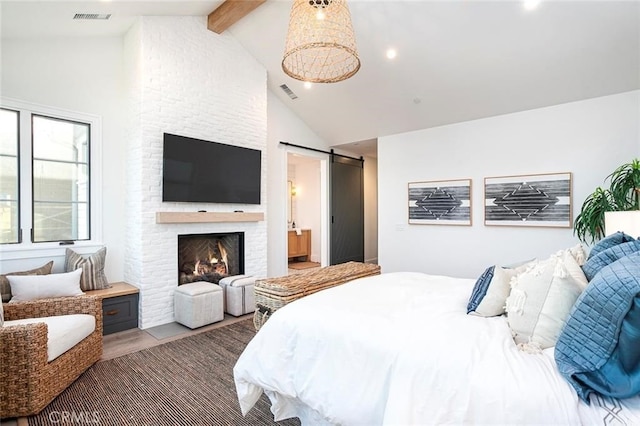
x: 321, y: 45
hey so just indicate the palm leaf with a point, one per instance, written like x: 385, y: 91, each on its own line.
x: 625, y: 186
x: 589, y: 224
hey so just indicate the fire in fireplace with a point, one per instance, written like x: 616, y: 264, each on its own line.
x: 210, y: 257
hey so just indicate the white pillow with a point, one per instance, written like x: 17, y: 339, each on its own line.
x: 33, y: 287
x: 493, y: 302
x: 578, y: 254
x: 541, y: 299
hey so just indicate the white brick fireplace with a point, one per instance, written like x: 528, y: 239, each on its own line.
x: 186, y: 80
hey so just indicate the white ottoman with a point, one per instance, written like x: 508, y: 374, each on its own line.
x: 238, y: 294
x: 197, y: 304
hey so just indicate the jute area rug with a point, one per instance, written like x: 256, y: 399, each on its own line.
x: 184, y: 382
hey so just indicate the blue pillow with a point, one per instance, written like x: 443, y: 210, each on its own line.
x: 610, y: 241
x: 607, y: 256
x: 489, y: 295
x: 480, y: 289
x: 599, y: 347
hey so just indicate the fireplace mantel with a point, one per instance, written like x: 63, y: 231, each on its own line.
x: 208, y: 217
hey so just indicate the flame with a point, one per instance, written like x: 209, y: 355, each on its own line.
x: 196, y: 269
x: 223, y: 253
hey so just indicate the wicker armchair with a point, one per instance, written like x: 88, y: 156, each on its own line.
x: 29, y: 382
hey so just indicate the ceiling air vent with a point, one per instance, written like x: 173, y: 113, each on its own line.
x: 103, y: 16
x: 288, y: 91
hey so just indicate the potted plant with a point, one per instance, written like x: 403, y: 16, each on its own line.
x: 622, y: 195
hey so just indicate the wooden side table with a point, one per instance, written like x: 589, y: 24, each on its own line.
x: 119, y: 307
x: 299, y: 245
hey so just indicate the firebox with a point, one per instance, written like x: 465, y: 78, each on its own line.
x: 210, y: 257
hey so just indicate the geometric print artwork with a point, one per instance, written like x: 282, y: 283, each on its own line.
x: 542, y: 200
x: 445, y: 202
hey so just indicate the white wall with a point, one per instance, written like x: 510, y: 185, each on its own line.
x: 371, y: 210
x: 83, y: 75
x: 588, y: 138
x: 307, y: 199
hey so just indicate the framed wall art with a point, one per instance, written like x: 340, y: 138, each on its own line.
x: 542, y: 200
x: 443, y: 202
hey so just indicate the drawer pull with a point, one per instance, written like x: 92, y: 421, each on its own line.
x: 112, y: 312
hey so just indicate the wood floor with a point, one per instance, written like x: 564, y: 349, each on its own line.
x: 129, y: 341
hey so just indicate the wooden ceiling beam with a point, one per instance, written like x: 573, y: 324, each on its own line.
x: 230, y: 12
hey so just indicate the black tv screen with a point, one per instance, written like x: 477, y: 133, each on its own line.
x: 200, y: 171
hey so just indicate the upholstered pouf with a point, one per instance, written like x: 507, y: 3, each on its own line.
x: 238, y: 294
x: 197, y: 304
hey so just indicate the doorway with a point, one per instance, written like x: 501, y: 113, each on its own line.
x: 307, y: 210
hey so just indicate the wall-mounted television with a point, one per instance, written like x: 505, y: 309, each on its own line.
x: 200, y: 171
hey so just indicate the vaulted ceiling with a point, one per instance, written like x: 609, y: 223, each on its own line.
x: 456, y: 60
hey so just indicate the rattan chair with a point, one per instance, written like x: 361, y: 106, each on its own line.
x: 28, y: 383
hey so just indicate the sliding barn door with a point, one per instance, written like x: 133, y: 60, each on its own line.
x: 347, y: 210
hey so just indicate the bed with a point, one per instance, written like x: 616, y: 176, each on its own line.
x: 400, y: 349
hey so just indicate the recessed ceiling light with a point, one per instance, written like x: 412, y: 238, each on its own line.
x: 391, y: 53
x: 531, y: 4
x: 307, y: 85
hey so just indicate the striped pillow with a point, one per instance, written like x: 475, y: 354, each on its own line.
x: 93, y: 277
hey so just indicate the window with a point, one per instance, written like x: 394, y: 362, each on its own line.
x: 60, y: 179
x: 47, y: 171
x: 9, y: 201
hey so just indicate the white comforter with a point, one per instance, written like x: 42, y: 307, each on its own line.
x: 399, y: 349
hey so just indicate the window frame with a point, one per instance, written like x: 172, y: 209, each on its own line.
x: 26, y: 248
x: 34, y: 159
x: 19, y: 195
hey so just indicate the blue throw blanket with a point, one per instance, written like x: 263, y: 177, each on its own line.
x: 610, y: 241
x: 599, y: 347
x: 595, y: 263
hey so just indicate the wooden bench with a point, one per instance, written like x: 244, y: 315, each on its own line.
x: 119, y: 307
x: 273, y: 293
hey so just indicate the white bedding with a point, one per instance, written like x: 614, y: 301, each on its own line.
x: 399, y: 349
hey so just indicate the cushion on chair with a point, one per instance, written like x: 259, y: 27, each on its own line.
x: 33, y: 287
x: 63, y: 331
x: 5, y: 288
